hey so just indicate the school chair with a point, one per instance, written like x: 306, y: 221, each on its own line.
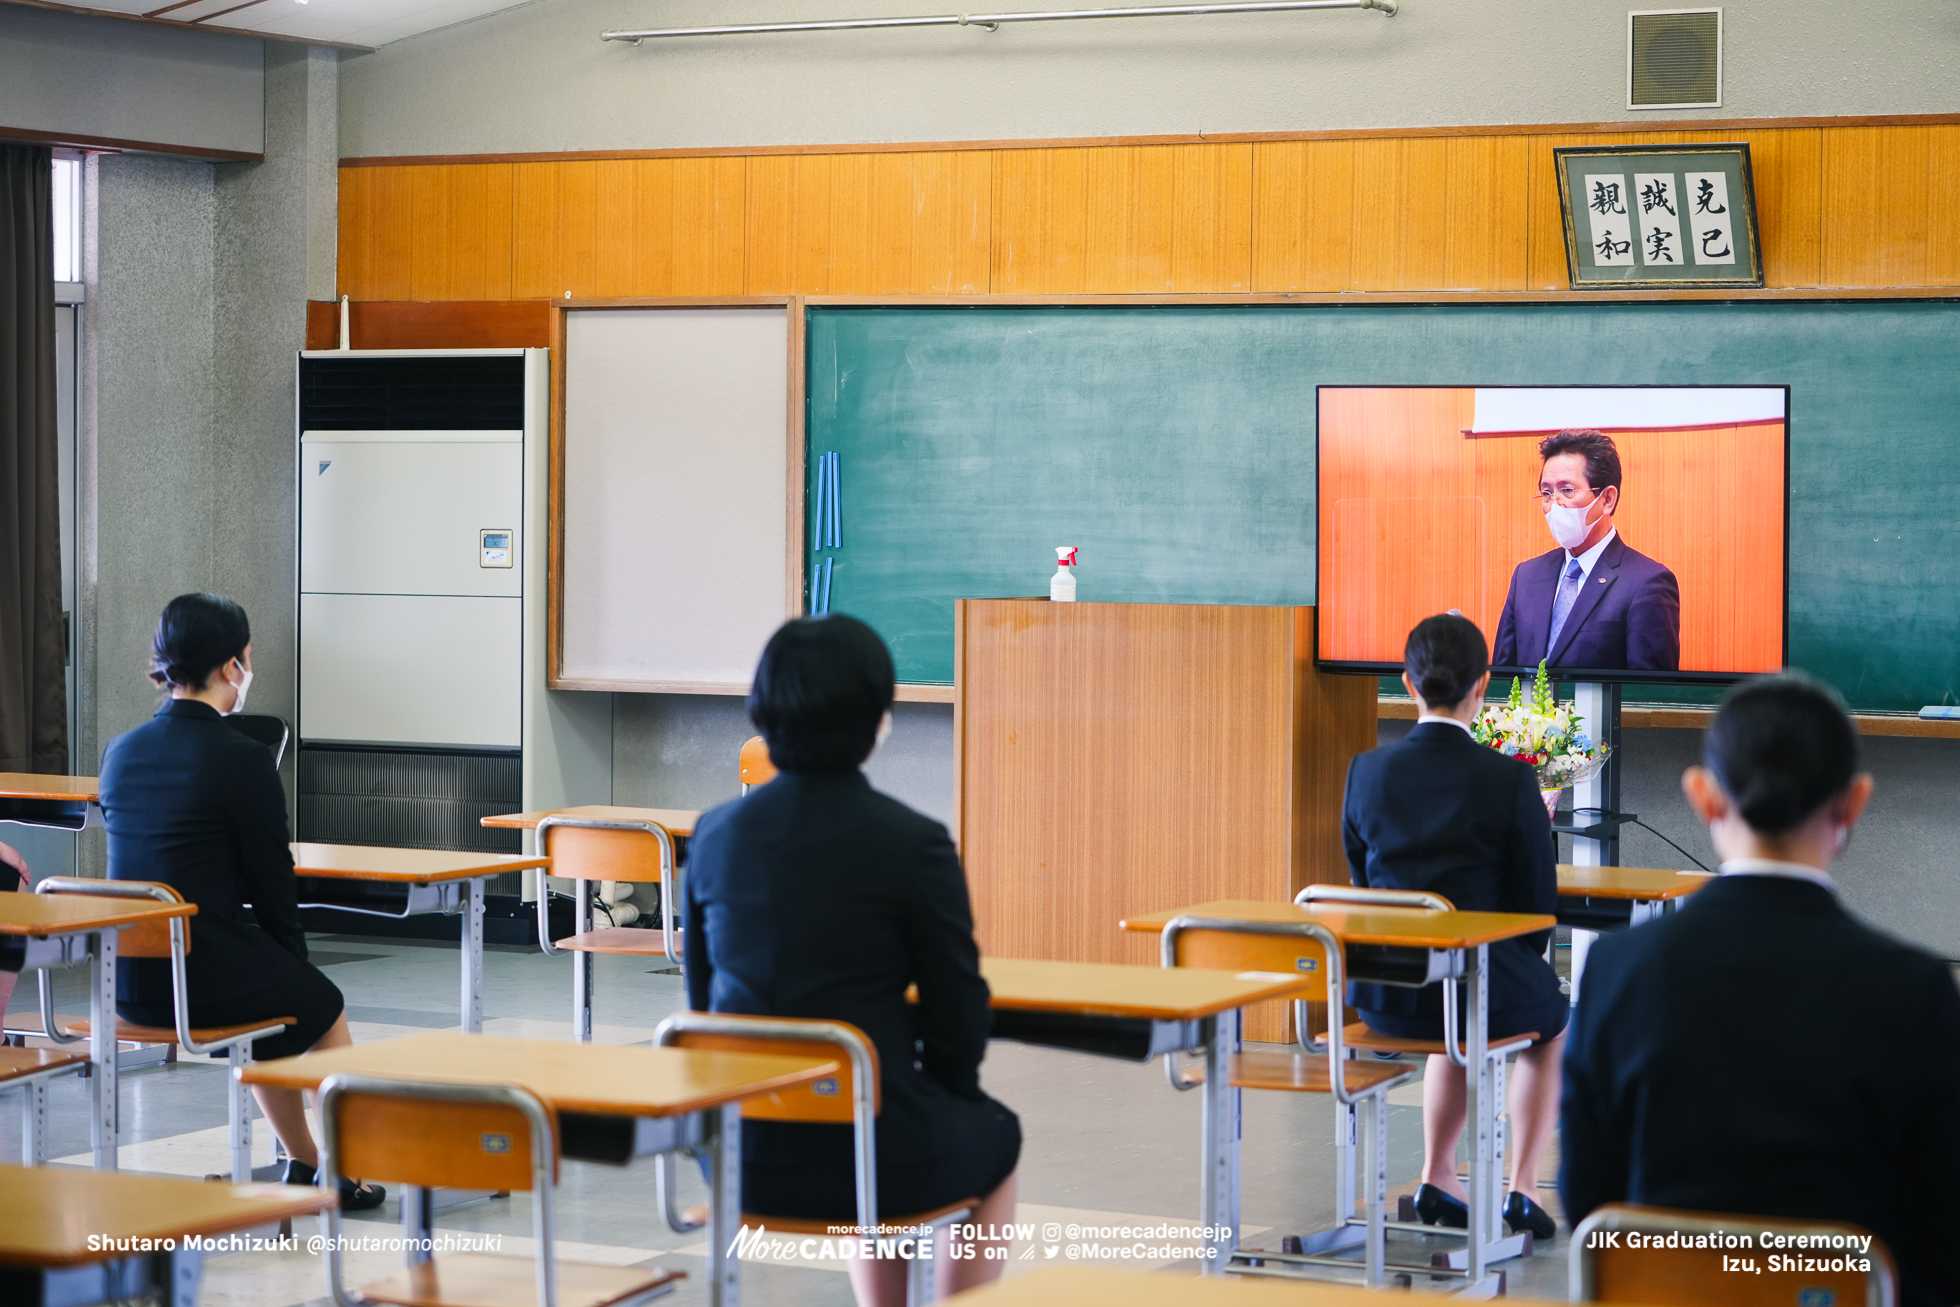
x: 500, y: 1138
x: 267, y: 729
x: 851, y: 1097
x: 586, y: 851
x: 29, y: 1070
x: 164, y: 940
x: 1614, y: 1271
x: 1310, y: 950
x: 1356, y: 1035
x: 756, y: 767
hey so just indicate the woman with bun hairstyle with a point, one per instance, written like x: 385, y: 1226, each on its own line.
x: 1762, y: 1051
x: 193, y: 804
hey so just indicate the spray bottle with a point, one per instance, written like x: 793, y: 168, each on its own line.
x: 1061, y: 586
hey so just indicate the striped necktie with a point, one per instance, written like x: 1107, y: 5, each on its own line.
x: 1568, y: 594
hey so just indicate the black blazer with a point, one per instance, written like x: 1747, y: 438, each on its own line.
x: 817, y: 896
x: 1438, y: 811
x: 1764, y: 1052
x: 192, y: 803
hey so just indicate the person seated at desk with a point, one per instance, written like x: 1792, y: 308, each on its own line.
x: 193, y: 804
x: 1762, y: 1051
x: 1438, y: 811
x: 817, y: 896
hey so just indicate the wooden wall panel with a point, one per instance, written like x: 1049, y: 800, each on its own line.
x: 1854, y: 207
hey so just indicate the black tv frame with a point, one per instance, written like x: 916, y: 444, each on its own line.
x: 1600, y: 675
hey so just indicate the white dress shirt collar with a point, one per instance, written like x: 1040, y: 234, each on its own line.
x: 1767, y: 867
x: 1590, y: 559
x: 1426, y: 718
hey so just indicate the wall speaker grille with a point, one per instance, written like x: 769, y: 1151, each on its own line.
x: 1674, y: 59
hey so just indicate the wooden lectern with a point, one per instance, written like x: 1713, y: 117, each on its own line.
x: 1116, y: 759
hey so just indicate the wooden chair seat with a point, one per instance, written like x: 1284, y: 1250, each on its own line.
x: 18, y: 1063
x: 488, y: 1280
x: 128, y: 1032
x: 1300, y: 1073
x: 620, y: 939
x: 1356, y: 1034
x: 804, y: 1225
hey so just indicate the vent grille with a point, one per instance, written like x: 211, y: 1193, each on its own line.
x: 407, y: 798
x: 1674, y: 59
x: 411, y: 394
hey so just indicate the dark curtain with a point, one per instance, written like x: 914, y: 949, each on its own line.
x: 33, y: 644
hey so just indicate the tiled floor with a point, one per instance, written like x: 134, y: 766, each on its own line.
x: 1105, y: 1142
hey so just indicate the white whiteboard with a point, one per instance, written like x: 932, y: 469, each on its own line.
x: 676, y: 490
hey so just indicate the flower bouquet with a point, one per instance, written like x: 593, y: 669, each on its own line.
x: 1543, y: 732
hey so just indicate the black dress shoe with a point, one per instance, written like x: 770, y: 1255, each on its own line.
x: 355, y: 1195
x: 1434, y: 1207
x: 1521, y: 1214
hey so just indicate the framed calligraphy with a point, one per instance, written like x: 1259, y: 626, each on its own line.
x: 1669, y: 215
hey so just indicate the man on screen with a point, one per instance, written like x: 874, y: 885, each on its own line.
x: 1592, y: 602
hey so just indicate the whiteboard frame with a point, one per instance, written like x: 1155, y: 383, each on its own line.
x: 792, y: 305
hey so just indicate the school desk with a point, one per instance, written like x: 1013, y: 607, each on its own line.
x: 1595, y: 898
x: 676, y: 1098
x: 434, y: 880
x: 48, y: 1217
x: 1141, y: 1012
x: 58, y: 801
x: 678, y: 821
x: 1065, y: 1285
x: 1410, y: 946
x: 46, y: 932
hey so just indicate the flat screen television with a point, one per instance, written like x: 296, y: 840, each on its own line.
x: 1672, y: 502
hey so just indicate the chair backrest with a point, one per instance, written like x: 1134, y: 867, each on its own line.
x: 831, y: 1100
x: 267, y: 729
x: 495, y: 1137
x: 756, y: 767
x: 582, y: 848
x: 1305, y: 949
x: 1380, y: 898
x: 1637, y: 1270
x: 145, y: 939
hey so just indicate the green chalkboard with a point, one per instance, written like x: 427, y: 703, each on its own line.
x: 1175, y: 447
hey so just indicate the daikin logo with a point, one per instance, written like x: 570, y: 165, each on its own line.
x: 325, y: 463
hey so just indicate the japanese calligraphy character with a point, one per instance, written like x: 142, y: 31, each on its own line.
x: 1609, y: 248
x: 1606, y: 198
x: 1654, y: 195
x: 1657, y: 250
x: 1705, y: 198
x: 1708, y: 237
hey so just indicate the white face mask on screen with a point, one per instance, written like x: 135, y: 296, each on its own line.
x: 1571, y: 526
x: 238, y: 704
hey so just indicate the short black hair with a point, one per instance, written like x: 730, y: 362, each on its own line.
x: 1782, y: 747
x: 819, y: 692
x: 197, y: 634
x: 1444, y: 656
x: 1602, y: 455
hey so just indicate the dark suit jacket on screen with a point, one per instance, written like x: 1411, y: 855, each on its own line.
x: 194, y: 804
x: 817, y: 896
x: 1627, y: 616
x: 1437, y: 811
x: 1766, y: 1053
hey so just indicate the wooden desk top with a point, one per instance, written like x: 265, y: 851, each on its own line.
x: 416, y: 866
x: 610, y: 1079
x: 48, y: 1214
x: 1114, y: 989
x: 678, y: 821
x: 27, y: 785
x: 1646, y: 884
x: 1073, y: 1285
x: 43, y: 915
x: 1400, y: 927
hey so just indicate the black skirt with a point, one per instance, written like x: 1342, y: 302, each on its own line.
x: 821, y: 1183
x: 305, y: 994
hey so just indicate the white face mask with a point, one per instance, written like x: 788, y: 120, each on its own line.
x: 1571, y: 526
x: 238, y: 704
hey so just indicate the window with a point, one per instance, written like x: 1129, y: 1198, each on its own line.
x: 67, y: 219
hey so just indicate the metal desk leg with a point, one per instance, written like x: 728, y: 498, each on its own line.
x: 1220, y: 1189
x: 418, y: 1224
x: 725, y: 1204
x: 104, y: 1099
x: 473, y: 959
x: 34, y: 1125
x: 581, y: 964
x: 1582, y: 942
x: 240, y: 1057
x: 1483, y: 1188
